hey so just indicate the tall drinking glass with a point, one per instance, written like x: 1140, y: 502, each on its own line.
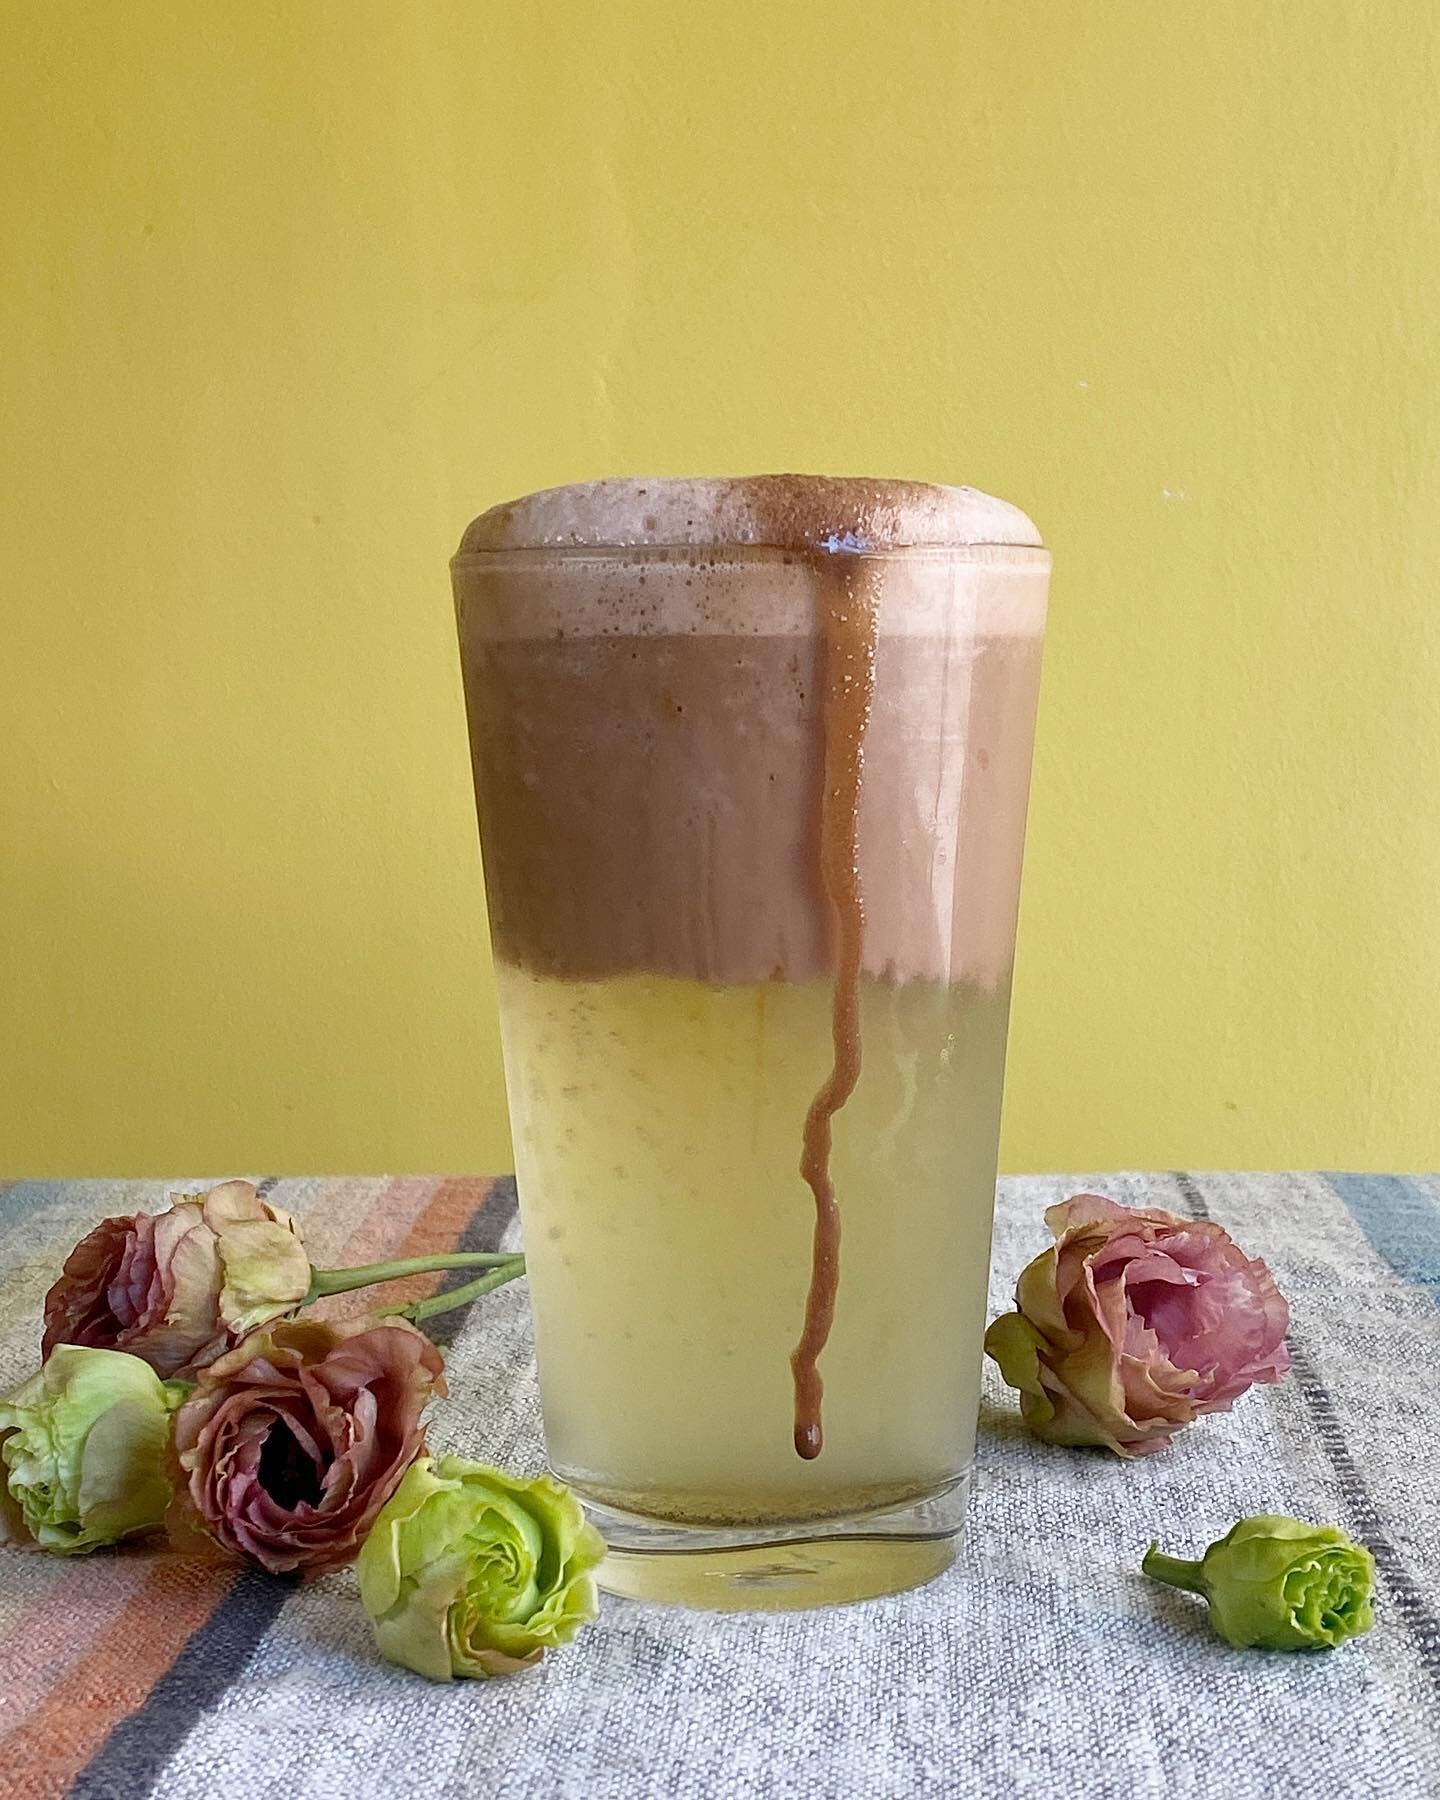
x: 751, y: 759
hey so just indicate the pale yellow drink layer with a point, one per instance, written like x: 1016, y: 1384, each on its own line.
x: 668, y: 1235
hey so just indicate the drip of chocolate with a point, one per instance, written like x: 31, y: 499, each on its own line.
x: 848, y: 586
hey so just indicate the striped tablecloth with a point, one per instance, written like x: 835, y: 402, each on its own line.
x: 1041, y: 1665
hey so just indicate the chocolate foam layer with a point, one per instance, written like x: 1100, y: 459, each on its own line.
x: 784, y: 511
x: 647, y: 731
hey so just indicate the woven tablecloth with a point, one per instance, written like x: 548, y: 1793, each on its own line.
x: 1043, y: 1664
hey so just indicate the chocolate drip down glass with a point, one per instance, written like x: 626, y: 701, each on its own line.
x: 751, y: 760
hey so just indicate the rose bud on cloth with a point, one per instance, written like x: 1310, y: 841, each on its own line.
x: 292, y: 1442
x: 1278, y: 1584
x: 178, y: 1288
x: 471, y: 1572
x: 1135, y: 1323
x: 84, y: 1451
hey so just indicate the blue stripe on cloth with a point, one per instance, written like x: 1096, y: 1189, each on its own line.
x: 1409, y: 1594
x: 1401, y: 1222
x: 488, y: 1224
x: 132, y: 1759
x: 24, y: 1198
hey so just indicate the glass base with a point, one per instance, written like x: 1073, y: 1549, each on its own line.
x: 781, y: 1568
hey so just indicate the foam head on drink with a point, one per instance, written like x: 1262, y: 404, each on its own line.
x: 751, y: 759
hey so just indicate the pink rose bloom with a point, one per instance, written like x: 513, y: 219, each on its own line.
x: 178, y: 1288
x: 1135, y: 1323
x: 292, y: 1442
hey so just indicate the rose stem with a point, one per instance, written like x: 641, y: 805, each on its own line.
x: 341, y: 1281
x: 462, y: 1296
x: 1174, y: 1571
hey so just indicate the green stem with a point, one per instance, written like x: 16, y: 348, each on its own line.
x: 512, y: 1267
x: 1174, y: 1571
x: 324, y: 1282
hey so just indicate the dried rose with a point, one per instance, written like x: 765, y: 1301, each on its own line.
x: 83, y: 1451
x: 1135, y: 1323
x: 292, y: 1442
x: 178, y: 1288
x: 1278, y: 1584
x: 469, y: 1571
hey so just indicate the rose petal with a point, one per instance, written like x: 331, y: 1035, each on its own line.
x: 350, y: 1397
x: 1139, y: 1321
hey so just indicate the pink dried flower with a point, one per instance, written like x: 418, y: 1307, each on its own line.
x: 1135, y: 1323
x: 292, y: 1442
x: 178, y: 1288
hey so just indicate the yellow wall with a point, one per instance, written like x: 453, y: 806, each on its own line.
x: 292, y: 289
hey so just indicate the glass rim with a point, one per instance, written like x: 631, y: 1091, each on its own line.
x: 729, y: 551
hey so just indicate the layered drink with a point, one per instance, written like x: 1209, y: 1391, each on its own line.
x: 751, y: 759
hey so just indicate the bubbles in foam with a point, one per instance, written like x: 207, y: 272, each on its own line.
x: 801, y: 512
x: 762, y: 552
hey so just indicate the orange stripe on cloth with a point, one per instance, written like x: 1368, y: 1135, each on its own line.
x: 389, y: 1224
x: 42, y: 1644
x: 127, y: 1637
x: 437, y: 1227
x: 112, y: 1678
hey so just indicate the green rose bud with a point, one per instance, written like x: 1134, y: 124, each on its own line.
x: 470, y: 1572
x: 1278, y: 1584
x: 83, y: 1449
